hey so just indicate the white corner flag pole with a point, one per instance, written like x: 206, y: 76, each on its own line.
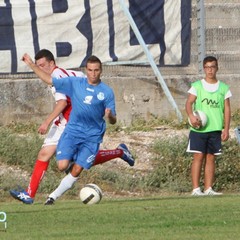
x: 150, y: 59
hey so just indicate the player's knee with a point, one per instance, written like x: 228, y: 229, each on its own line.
x: 45, y: 154
x: 76, y: 170
x: 63, y: 165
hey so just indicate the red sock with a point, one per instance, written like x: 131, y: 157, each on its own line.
x: 37, y: 175
x: 107, y: 155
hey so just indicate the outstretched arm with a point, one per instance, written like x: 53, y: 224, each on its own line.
x: 39, y: 72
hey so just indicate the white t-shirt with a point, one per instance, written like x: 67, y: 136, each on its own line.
x: 210, y: 88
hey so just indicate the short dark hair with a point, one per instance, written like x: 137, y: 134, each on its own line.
x: 44, y: 53
x: 94, y: 59
x: 210, y: 59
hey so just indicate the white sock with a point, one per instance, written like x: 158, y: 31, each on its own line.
x: 66, y: 183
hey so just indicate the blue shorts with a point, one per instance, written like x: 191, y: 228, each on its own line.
x: 205, y: 142
x: 82, y: 152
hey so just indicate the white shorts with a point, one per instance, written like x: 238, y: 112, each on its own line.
x: 53, y: 135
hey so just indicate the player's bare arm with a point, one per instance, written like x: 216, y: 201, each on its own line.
x: 108, y: 115
x: 39, y: 72
x: 227, y: 117
x: 189, y: 110
x: 58, y: 108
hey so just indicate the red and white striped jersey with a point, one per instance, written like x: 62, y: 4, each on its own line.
x: 62, y: 73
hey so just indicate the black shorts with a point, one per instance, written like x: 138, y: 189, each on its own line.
x: 205, y: 142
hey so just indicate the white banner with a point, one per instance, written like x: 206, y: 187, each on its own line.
x: 73, y: 30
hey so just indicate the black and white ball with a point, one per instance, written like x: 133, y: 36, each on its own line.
x: 90, y: 194
x: 202, y: 117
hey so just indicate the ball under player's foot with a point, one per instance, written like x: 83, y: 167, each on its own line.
x: 127, y: 156
x: 22, y: 196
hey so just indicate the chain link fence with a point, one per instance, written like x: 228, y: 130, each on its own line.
x: 222, y: 34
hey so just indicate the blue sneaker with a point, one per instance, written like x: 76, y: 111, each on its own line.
x: 22, y: 196
x: 127, y: 156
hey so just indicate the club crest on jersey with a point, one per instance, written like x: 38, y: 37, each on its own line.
x: 88, y: 99
x: 100, y: 96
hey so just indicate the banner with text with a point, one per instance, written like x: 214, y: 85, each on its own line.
x: 74, y: 30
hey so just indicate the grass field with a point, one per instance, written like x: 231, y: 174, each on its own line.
x: 157, y: 218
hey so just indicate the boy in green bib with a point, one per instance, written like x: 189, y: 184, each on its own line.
x: 213, y: 98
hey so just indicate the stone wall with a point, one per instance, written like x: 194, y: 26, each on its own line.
x: 138, y: 94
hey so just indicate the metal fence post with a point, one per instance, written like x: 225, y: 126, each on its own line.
x: 200, y: 33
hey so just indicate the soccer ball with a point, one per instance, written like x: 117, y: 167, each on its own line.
x: 202, y: 117
x: 90, y: 194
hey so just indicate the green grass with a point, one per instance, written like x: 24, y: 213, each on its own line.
x: 175, y: 218
x: 19, y: 146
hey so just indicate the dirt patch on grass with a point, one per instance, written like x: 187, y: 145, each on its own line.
x: 140, y: 143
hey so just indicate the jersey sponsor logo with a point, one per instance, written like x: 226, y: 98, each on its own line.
x: 88, y: 99
x: 59, y: 152
x: 211, y: 102
x: 90, y: 90
x: 100, y: 96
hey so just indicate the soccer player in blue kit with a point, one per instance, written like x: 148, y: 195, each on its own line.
x: 92, y: 101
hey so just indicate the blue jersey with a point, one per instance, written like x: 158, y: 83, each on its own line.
x: 89, y: 102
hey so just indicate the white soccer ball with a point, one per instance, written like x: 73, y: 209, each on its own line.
x: 90, y: 194
x: 202, y: 117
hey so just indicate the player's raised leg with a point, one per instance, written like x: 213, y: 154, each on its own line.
x: 120, y: 152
